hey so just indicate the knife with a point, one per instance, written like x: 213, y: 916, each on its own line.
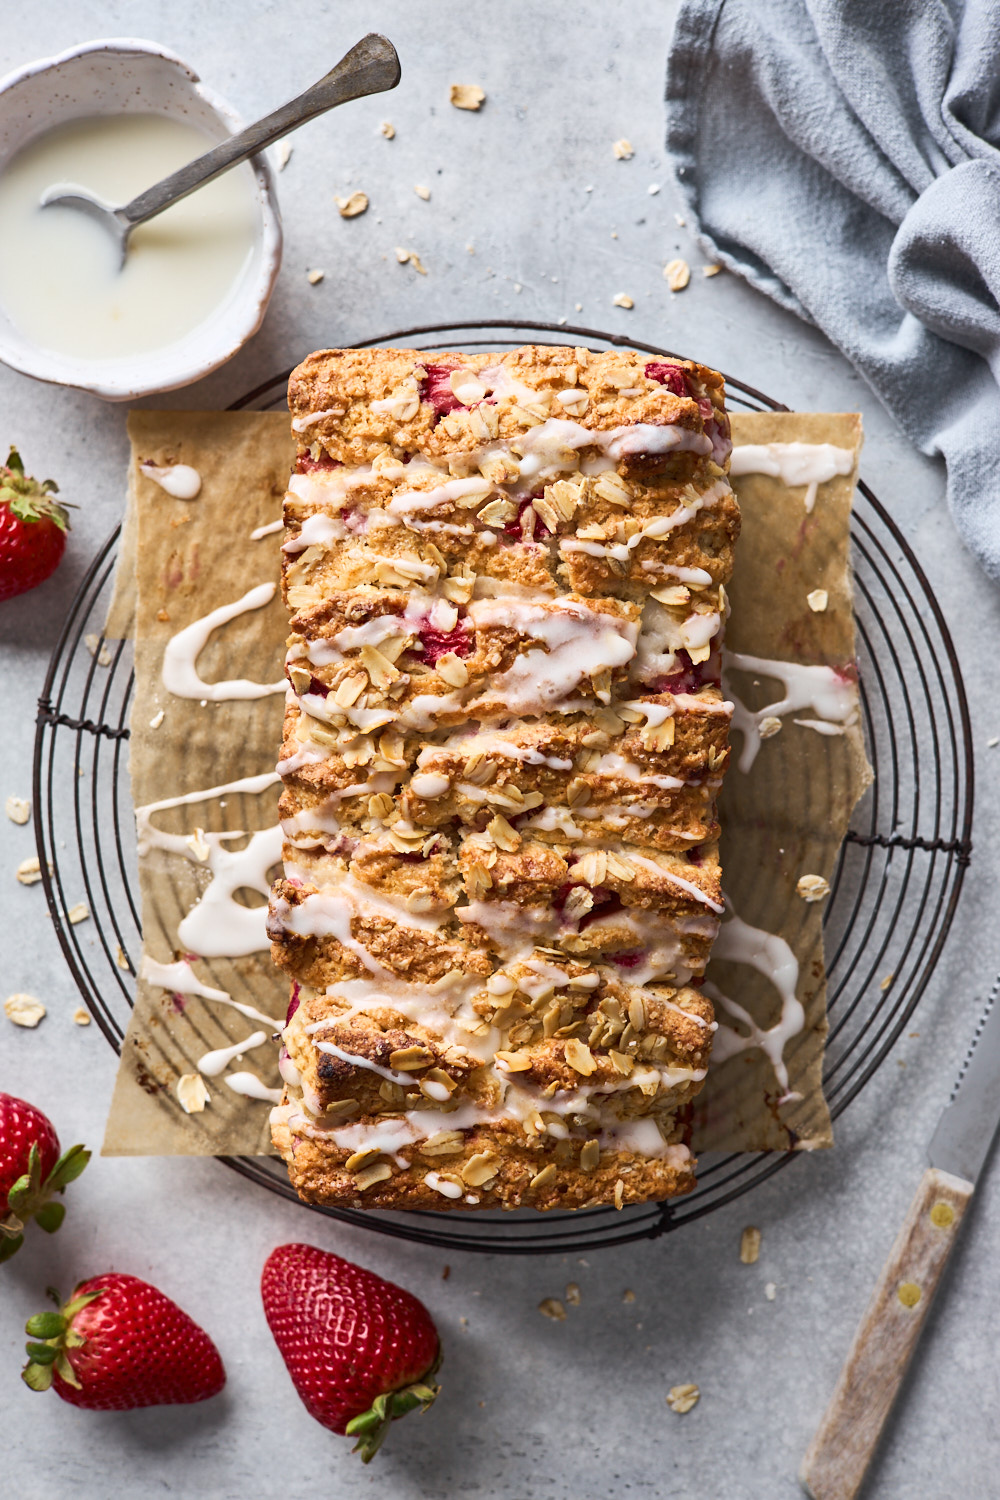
x: 838, y: 1456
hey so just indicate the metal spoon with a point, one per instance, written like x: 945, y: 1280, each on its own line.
x: 371, y: 67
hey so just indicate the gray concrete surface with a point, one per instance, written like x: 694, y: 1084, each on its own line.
x: 532, y: 1410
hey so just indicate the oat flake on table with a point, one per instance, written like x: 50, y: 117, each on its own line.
x: 18, y: 809
x: 24, y: 1010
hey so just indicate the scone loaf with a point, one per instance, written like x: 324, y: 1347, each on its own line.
x: 502, y: 748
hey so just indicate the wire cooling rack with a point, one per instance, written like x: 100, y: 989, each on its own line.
x: 894, y: 890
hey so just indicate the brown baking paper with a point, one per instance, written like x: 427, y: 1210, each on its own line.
x: 188, y: 558
x: 787, y: 817
x: 784, y: 819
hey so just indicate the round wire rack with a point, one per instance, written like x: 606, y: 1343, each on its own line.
x: 893, y: 893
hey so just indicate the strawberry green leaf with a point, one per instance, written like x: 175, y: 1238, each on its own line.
x: 42, y: 1354
x: 79, y: 1303
x: 66, y: 1370
x: 45, y: 1325
x: 67, y: 1169
x: 38, y: 1377
x: 14, y: 460
x: 53, y: 1296
x: 9, y: 1247
x: 50, y: 1217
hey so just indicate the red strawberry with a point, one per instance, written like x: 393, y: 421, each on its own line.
x: 31, y: 1170
x: 361, y: 1351
x: 118, y: 1344
x: 33, y: 529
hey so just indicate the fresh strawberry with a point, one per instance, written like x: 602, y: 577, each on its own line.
x: 361, y: 1351
x: 118, y: 1343
x: 31, y: 1171
x: 33, y: 529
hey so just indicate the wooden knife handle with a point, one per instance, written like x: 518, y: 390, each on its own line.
x: 838, y: 1456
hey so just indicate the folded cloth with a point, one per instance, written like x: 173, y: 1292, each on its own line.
x: 841, y: 155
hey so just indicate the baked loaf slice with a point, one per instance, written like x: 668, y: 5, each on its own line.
x: 502, y: 748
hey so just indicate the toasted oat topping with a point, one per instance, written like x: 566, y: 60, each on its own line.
x: 352, y: 206
x: 812, y: 888
x: 192, y: 1093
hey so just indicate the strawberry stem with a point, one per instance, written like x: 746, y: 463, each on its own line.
x: 50, y: 1335
x: 370, y: 1427
x: 30, y: 1197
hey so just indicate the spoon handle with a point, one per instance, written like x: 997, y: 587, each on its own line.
x: 371, y: 67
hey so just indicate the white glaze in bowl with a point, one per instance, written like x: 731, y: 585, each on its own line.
x: 127, y: 75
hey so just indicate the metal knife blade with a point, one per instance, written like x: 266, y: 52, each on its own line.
x: 970, y: 1119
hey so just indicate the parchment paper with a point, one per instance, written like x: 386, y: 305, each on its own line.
x: 189, y: 557
x: 784, y: 819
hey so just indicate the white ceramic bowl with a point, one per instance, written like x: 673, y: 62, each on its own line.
x: 120, y: 75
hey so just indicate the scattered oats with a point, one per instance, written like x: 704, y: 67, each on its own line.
x: 156, y: 720
x: 78, y: 913
x: 410, y: 257
x: 749, y: 1245
x: 315, y: 277
x: 29, y: 871
x: 623, y: 150
x: 422, y: 192
x: 198, y: 845
x: 192, y: 1093
x: 578, y: 307
x: 518, y: 287
x: 990, y: 744
x: 350, y: 208
x: 677, y: 274
x: 768, y: 727
x: 560, y: 321
x: 18, y: 809
x: 712, y: 270
x: 887, y: 981
x: 551, y: 1307
x: 573, y: 1294
x: 388, y: 130
x: 818, y: 600
x: 120, y: 958
x: 770, y: 1291
x: 681, y: 1398
x: 283, y: 152
x: 628, y: 1295
x: 681, y: 222
x: 24, y: 1010
x: 466, y: 95
x: 622, y: 299
x: 81, y: 1016
x: 653, y: 189
x: 813, y: 888
x: 96, y: 648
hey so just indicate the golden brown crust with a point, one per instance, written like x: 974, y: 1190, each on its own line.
x: 506, y: 585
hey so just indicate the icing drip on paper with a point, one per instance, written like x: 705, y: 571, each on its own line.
x: 268, y: 530
x: 771, y: 956
x: 180, y: 657
x: 811, y: 464
x: 180, y: 979
x: 214, y: 1063
x: 823, y: 689
x: 252, y: 1087
x: 179, y: 480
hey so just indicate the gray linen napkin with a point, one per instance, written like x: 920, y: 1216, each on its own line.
x: 840, y: 154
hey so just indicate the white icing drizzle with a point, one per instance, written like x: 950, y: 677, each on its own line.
x: 180, y: 657
x: 179, y: 480
x: 180, y: 979
x: 579, y: 642
x: 217, y: 926
x: 829, y: 694
x: 267, y: 530
x: 330, y: 914
x: 771, y: 956
x: 317, y: 530
x: 252, y: 1087
x: 685, y: 885
x: 811, y: 464
x: 249, y: 784
x: 363, y: 1062
x: 214, y: 1063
